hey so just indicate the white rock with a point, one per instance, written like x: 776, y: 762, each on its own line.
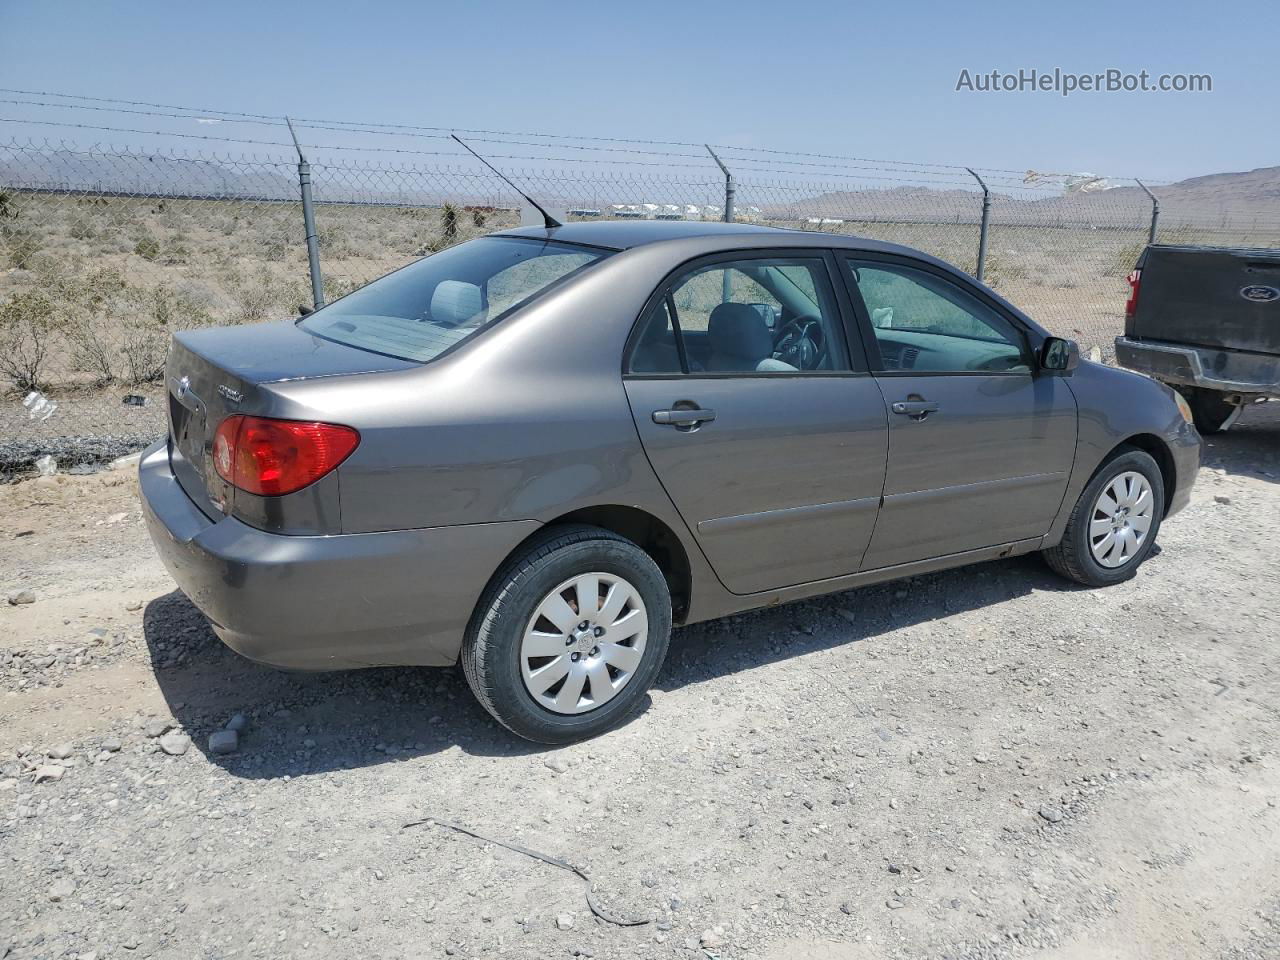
x: 175, y: 744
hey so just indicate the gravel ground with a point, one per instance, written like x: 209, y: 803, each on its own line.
x: 980, y: 763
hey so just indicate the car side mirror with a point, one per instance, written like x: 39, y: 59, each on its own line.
x: 1060, y: 356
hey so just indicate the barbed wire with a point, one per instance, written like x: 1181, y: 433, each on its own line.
x: 504, y: 137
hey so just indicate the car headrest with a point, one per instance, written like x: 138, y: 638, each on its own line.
x: 455, y: 302
x: 738, y: 330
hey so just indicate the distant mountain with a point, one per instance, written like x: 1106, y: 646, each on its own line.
x: 1252, y: 196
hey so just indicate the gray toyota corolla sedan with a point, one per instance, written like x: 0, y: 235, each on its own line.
x: 536, y: 451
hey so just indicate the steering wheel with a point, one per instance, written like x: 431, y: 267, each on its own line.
x: 801, y: 343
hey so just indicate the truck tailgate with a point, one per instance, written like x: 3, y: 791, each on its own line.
x: 1226, y: 298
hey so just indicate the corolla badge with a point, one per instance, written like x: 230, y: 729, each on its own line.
x: 1257, y: 293
x: 230, y: 394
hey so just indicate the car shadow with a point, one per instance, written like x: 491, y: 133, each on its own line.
x: 1251, y: 447
x: 302, y: 724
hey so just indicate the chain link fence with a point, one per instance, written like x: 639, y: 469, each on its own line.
x: 104, y: 253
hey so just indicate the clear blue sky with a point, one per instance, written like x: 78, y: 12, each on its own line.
x: 868, y: 79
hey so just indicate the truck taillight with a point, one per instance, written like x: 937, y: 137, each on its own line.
x: 270, y: 457
x: 1131, y: 305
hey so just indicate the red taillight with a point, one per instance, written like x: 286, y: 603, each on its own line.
x: 1131, y: 305
x: 274, y: 457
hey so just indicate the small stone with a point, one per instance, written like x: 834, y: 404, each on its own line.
x: 157, y: 727
x: 238, y: 723
x: 893, y: 903
x: 62, y: 751
x: 895, y: 869
x: 893, y: 804
x: 564, y: 921
x: 111, y: 744
x: 556, y: 765
x: 133, y: 605
x: 1052, y: 814
x: 48, y: 771
x: 1221, y: 498
x: 981, y: 758
x: 713, y: 938
x: 224, y: 742
x: 846, y: 908
x: 175, y: 744
x: 19, y: 597
x: 62, y: 888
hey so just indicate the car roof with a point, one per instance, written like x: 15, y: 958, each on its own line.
x: 625, y: 234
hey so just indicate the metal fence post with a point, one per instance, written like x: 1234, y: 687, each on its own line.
x: 309, y: 222
x: 728, y: 185
x: 982, y: 230
x: 726, y: 291
x: 1155, y: 210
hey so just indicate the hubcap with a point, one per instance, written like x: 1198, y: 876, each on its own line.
x: 1121, y: 519
x: 584, y: 643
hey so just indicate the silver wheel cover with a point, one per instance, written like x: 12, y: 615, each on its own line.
x: 1121, y: 519
x: 584, y: 643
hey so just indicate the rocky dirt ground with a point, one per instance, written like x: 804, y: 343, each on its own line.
x: 977, y: 764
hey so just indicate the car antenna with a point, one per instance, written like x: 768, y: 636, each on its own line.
x: 547, y: 218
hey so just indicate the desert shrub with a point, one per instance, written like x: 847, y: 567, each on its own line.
x: 478, y: 219
x: 95, y: 306
x: 8, y: 206
x: 82, y: 228
x: 448, y: 225
x: 22, y: 249
x: 337, y: 287
x: 147, y: 247
x: 28, y: 324
x: 145, y: 332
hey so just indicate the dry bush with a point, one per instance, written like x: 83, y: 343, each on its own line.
x: 27, y: 327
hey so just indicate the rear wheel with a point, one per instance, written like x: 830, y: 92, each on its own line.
x: 1212, y: 411
x: 569, y: 635
x: 1113, y: 526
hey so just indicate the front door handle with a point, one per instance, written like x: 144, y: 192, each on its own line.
x: 916, y: 409
x: 683, y: 418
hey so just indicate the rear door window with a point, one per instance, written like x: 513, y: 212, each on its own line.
x: 428, y: 307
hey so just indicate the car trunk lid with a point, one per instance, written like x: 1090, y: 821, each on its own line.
x: 212, y: 374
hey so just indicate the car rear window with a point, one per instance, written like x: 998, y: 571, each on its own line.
x: 420, y: 311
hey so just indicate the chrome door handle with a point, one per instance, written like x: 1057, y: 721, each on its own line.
x: 917, y: 409
x: 683, y: 418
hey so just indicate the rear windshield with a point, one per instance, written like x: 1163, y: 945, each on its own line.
x: 419, y: 312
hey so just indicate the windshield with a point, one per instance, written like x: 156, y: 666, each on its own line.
x: 419, y: 312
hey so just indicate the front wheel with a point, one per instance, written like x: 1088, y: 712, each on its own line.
x: 569, y: 635
x: 1113, y: 526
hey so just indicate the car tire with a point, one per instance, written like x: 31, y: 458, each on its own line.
x: 512, y: 627
x: 1085, y: 554
x: 1211, y: 411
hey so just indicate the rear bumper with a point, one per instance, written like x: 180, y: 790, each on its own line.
x: 1226, y: 371
x: 324, y: 602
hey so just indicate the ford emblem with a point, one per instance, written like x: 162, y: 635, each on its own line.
x: 1257, y: 293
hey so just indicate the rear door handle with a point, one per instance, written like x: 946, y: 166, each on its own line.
x: 914, y: 408
x: 683, y: 418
